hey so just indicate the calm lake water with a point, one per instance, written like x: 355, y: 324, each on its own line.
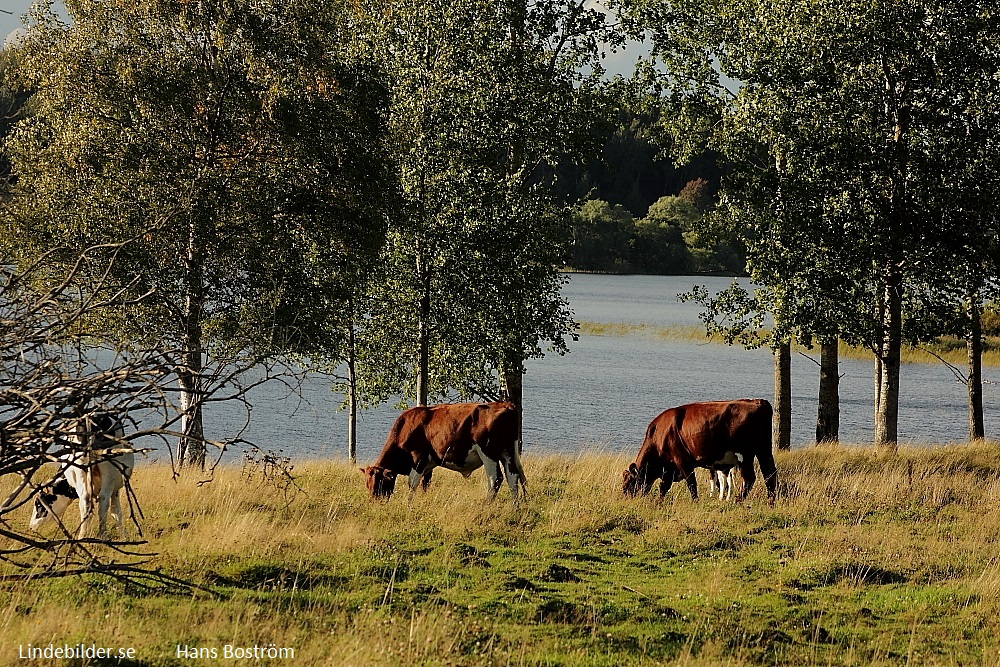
x: 605, y: 392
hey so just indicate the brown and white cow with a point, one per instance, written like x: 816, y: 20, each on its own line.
x: 456, y: 436
x: 88, y: 477
x: 713, y: 435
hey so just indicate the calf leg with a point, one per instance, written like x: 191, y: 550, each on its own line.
x: 414, y: 480
x: 723, y: 480
x: 425, y: 479
x: 711, y: 483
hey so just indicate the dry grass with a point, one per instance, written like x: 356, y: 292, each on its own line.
x: 951, y: 350
x: 868, y: 558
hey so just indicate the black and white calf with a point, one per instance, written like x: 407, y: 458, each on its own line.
x: 720, y: 475
x: 722, y: 481
x: 87, y: 477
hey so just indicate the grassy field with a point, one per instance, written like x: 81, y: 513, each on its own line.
x: 867, y: 558
x: 949, y: 349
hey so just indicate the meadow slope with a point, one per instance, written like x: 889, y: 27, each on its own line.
x: 867, y: 558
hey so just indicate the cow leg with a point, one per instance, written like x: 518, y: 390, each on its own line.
x: 711, y: 483
x: 493, y: 479
x: 414, y: 479
x: 692, y: 482
x: 648, y: 475
x: 749, y: 477
x: 103, y: 503
x: 514, y: 472
x: 86, y: 507
x: 425, y: 480
x: 647, y: 484
x: 116, y: 512
x: 770, y: 473
x: 666, y: 481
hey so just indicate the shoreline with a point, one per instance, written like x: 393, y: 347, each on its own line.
x: 695, y: 333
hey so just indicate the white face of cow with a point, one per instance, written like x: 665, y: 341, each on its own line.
x: 51, y: 502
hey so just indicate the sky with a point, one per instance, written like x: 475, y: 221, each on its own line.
x: 10, y: 15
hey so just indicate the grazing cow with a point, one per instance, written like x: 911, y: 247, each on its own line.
x: 714, y: 435
x: 87, y: 474
x: 458, y: 436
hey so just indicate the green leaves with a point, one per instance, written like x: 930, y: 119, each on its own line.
x: 229, y: 160
x: 485, y: 97
x: 851, y: 130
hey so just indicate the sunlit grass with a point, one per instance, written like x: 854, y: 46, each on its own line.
x: 950, y: 350
x: 868, y: 557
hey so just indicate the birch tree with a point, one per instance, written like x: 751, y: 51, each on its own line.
x: 875, y: 108
x: 486, y: 98
x: 236, y: 141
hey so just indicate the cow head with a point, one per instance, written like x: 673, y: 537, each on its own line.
x: 631, y: 481
x: 51, y: 501
x: 380, y: 481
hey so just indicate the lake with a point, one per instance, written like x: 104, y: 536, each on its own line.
x: 604, y: 393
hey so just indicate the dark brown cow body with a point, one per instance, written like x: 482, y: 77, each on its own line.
x: 457, y: 436
x: 714, y: 435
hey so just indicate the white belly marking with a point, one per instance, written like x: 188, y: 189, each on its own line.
x: 473, y: 461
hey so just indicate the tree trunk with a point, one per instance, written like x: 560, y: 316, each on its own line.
x: 974, y: 347
x: 352, y: 398
x: 879, y: 354
x: 423, y: 331
x: 828, y: 415
x: 897, y: 108
x: 783, y: 396
x: 877, y: 382
x: 887, y: 414
x: 513, y: 385
x: 191, y: 445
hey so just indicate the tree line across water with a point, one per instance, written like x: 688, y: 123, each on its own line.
x: 387, y: 191
x: 671, y: 239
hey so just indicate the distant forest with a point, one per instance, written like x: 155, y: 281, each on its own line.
x: 635, y: 211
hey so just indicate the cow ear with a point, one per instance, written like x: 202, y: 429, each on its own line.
x: 363, y: 471
x: 633, y: 468
x: 390, y: 475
